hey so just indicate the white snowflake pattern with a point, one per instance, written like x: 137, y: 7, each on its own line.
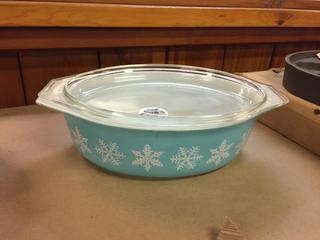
x: 243, y: 141
x: 80, y: 141
x: 147, y: 158
x: 218, y: 154
x: 109, y: 152
x: 186, y: 158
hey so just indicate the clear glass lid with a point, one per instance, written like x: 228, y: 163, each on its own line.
x: 164, y: 95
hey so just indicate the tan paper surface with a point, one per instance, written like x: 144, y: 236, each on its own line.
x: 272, y: 190
x: 296, y: 120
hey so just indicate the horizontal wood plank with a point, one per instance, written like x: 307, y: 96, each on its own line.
x: 44, y: 38
x: 11, y: 88
x: 39, y: 67
x: 17, y: 14
x: 297, y: 4
x: 202, y: 3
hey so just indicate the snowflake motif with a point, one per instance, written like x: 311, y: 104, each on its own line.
x: 243, y: 141
x: 218, y: 154
x: 80, y: 141
x: 109, y: 152
x: 147, y: 158
x: 186, y: 158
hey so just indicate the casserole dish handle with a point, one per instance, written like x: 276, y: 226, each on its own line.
x: 274, y: 99
x: 52, y: 96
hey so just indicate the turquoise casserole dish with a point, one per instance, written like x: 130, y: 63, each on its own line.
x: 159, y: 120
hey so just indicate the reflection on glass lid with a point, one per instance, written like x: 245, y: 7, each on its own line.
x: 169, y: 93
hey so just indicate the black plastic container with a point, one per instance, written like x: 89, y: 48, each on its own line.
x: 302, y: 75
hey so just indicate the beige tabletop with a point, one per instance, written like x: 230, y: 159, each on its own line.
x: 47, y: 191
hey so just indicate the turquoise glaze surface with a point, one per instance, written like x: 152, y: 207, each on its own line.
x: 157, y: 153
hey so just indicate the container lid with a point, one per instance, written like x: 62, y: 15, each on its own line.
x: 164, y: 96
x: 306, y: 61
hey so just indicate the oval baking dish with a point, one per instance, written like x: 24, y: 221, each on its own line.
x: 159, y: 120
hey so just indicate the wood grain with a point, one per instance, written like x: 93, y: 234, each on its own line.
x: 122, y: 56
x: 203, y: 56
x: 44, y: 38
x: 11, y: 89
x: 38, y: 67
x: 17, y: 14
x: 247, y: 58
x: 297, y: 4
x: 203, y: 3
x: 282, y: 50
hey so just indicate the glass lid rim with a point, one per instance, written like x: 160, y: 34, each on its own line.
x: 163, y: 67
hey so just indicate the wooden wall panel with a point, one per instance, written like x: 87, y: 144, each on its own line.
x: 38, y: 67
x: 203, y: 3
x: 297, y: 4
x: 247, y: 58
x: 52, y: 14
x: 11, y: 89
x: 282, y: 50
x: 48, y: 38
x: 139, y: 55
x: 203, y: 56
